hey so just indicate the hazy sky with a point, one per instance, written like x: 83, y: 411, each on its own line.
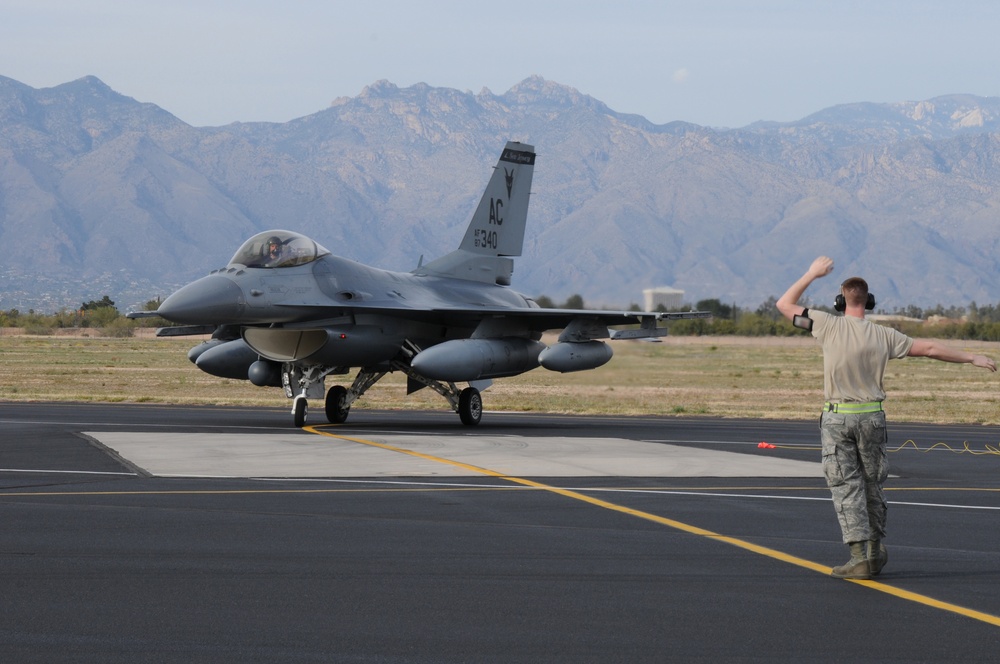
x: 711, y: 62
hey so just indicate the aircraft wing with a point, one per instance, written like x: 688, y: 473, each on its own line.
x: 576, y: 324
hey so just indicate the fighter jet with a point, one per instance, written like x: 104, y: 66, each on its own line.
x: 285, y: 312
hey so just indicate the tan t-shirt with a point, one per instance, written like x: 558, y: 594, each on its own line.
x: 855, y: 354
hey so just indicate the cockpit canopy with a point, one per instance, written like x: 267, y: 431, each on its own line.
x: 277, y: 249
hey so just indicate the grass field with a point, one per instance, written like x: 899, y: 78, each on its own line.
x: 684, y: 376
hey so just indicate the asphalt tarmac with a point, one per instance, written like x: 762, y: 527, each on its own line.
x: 166, y: 534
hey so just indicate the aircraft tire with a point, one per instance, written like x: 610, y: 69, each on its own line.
x: 336, y: 411
x: 470, y: 406
x: 299, y: 409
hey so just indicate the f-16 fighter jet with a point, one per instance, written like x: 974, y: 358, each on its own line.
x: 287, y: 313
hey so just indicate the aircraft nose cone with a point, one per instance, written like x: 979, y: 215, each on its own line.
x: 211, y: 300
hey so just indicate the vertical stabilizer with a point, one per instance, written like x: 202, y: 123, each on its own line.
x: 496, y: 231
x: 497, y: 227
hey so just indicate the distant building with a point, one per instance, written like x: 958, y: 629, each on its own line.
x: 668, y: 298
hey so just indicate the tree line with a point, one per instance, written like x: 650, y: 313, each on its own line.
x: 979, y: 323
x: 101, y: 315
x: 974, y: 322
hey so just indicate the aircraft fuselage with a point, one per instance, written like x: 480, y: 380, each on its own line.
x: 331, y: 311
x: 326, y: 288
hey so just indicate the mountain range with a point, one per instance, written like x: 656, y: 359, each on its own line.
x: 101, y: 194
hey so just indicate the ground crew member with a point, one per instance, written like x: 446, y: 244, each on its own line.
x: 852, y: 427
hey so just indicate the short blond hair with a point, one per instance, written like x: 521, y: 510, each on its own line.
x: 855, y: 291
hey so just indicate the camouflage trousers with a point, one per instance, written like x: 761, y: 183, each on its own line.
x: 855, y: 465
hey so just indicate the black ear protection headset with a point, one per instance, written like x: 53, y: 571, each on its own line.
x: 840, y: 304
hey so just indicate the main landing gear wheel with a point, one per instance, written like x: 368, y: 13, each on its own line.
x: 470, y: 406
x: 299, y: 409
x: 336, y: 411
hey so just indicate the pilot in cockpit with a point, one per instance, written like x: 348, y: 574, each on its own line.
x: 273, y: 247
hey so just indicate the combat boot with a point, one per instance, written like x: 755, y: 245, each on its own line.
x: 857, y: 567
x: 877, y: 555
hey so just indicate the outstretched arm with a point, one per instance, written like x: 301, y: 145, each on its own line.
x: 938, y: 351
x: 788, y: 304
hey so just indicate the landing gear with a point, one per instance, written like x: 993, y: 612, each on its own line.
x: 302, y: 385
x: 337, y: 407
x: 308, y: 384
x: 299, y: 408
x: 470, y: 406
x: 467, y: 403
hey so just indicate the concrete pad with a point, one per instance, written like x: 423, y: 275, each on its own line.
x: 595, y: 457
x: 304, y: 455
x: 261, y: 455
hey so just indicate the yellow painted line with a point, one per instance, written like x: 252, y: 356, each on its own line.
x: 931, y: 602
x: 677, y: 525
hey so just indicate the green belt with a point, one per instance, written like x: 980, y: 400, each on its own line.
x: 853, y: 408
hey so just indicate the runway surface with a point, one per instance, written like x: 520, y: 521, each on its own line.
x: 162, y: 534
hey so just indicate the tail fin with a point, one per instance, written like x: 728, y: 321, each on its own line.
x: 497, y: 227
x: 496, y: 231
